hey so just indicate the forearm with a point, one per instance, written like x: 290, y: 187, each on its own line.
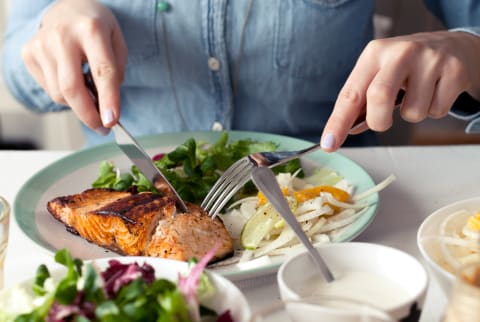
x: 24, y: 20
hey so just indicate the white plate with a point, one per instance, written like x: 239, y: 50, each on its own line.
x: 227, y: 297
x: 77, y: 171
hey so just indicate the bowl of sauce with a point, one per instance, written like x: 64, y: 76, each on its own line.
x: 379, y: 276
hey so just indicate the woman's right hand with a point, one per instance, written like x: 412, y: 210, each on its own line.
x: 72, y: 33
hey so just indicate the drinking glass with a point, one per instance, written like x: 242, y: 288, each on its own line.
x: 321, y: 308
x: 464, y: 302
x: 4, y: 224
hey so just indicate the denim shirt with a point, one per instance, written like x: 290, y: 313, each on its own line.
x: 262, y: 65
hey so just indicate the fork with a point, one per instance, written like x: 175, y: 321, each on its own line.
x: 239, y: 173
x: 266, y: 182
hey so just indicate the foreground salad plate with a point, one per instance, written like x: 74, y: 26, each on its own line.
x: 218, y: 294
x: 77, y: 171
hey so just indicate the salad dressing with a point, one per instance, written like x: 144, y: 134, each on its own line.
x: 366, y: 287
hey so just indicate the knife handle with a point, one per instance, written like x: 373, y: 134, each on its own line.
x: 90, y: 85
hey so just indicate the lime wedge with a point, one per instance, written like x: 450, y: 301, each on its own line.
x: 260, y: 224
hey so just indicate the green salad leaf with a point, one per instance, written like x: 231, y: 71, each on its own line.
x: 121, y: 292
x: 192, y: 168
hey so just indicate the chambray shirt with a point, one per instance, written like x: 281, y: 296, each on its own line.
x: 216, y: 64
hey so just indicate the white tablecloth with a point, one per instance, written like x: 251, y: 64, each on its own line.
x: 427, y: 179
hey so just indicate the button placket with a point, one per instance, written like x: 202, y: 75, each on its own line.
x: 217, y: 61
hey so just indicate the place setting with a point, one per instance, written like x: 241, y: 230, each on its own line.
x: 331, y: 201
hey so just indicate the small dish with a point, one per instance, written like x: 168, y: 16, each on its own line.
x: 451, y: 219
x: 375, y: 271
x: 226, y: 297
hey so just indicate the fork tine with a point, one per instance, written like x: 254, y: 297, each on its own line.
x: 211, y: 195
x: 228, y: 192
x: 223, y: 181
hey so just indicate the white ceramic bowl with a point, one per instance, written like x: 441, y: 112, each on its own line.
x: 430, y: 248
x: 227, y: 297
x: 390, y: 263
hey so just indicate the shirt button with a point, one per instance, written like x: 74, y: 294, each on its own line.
x: 217, y: 126
x: 213, y: 64
x: 163, y: 6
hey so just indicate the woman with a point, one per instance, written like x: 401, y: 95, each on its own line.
x: 275, y: 66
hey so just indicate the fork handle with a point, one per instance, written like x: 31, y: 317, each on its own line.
x: 270, y: 159
x: 266, y: 182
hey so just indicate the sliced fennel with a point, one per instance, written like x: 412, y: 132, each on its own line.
x: 323, y: 203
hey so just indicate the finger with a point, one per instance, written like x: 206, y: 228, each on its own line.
x: 106, y: 75
x: 33, y: 67
x: 120, y: 51
x: 72, y: 86
x: 445, y: 94
x: 350, y: 103
x: 50, y: 76
x: 382, y: 94
x: 451, y: 83
x: 42, y: 68
x: 420, y: 88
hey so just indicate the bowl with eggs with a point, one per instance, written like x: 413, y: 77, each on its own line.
x: 449, y: 238
x: 376, y: 275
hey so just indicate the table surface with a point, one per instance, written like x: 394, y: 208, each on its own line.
x: 428, y: 177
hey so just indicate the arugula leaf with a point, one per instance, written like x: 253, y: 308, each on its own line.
x: 193, y: 167
x: 92, y: 286
x: 108, y: 178
x: 41, y: 275
x: 67, y: 288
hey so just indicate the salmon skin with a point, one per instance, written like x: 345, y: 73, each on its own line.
x: 141, y: 224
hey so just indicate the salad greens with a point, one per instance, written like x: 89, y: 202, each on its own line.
x: 122, y: 292
x: 192, y: 168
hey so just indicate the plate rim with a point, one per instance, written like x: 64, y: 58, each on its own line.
x: 48, y: 175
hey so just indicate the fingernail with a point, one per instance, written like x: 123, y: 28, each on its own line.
x: 107, y: 117
x: 102, y: 130
x: 328, y: 141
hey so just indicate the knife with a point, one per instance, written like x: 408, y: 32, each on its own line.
x: 132, y: 149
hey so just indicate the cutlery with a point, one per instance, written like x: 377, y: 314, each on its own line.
x: 265, y: 180
x: 238, y: 174
x: 133, y: 150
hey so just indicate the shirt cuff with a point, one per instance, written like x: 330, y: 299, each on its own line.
x: 470, y: 30
x: 466, y: 108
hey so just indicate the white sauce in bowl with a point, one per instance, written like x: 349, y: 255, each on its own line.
x: 367, y: 287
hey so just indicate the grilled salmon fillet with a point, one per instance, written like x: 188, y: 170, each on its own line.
x: 190, y: 235
x: 141, y: 224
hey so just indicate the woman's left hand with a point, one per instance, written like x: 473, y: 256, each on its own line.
x: 433, y: 68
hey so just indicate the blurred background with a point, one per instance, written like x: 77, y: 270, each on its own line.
x: 22, y: 129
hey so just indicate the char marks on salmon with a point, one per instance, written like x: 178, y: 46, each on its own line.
x: 141, y: 224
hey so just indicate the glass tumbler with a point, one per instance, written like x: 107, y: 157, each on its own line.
x: 321, y: 308
x: 4, y: 226
x: 464, y: 302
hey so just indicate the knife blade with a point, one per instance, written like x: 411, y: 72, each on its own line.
x: 133, y: 150
x: 142, y: 160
